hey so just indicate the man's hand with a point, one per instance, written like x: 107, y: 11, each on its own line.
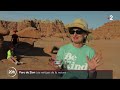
x: 95, y: 62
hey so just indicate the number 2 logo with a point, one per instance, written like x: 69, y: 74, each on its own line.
x: 111, y: 17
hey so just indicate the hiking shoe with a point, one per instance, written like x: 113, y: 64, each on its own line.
x: 21, y: 62
x: 16, y: 63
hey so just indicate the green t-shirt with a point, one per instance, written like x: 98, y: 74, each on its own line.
x: 9, y: 54
x: 75, y: 58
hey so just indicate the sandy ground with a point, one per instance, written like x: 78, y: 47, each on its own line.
x: 36, y: 59
x: 111, y: 56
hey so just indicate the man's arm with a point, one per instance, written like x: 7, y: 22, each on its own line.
x: 93, y: 64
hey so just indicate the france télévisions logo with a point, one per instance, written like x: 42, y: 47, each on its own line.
x: 11, y: 72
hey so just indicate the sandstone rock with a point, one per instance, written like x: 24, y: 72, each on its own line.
x: 23, y: 24
x: 47, y: 28
x: 110, y: 30
x: 29, y: 32
x: 4, y: 31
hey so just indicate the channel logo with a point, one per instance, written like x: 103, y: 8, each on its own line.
x: 11, y: 72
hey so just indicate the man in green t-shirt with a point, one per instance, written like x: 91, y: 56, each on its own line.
x: 11, y: 57
x: 77, y: 56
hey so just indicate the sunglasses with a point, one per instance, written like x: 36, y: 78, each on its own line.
x: 78, y: 31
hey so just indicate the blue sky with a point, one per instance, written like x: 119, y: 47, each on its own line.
x: 94, y: 18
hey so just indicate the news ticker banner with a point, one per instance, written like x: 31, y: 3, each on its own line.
x: 53, y: 74
x: 58, y: 74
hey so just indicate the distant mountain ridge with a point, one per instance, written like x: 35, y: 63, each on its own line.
x: 110, y: 30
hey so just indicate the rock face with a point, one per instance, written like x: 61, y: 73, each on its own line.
x: 29, y: 32
x: 47, y: 28
x: 110, y: 30
x: 3, y: 32
x: 24, y: 24
x: 56, y: 28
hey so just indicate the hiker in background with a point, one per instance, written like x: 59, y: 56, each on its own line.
x: 77, y: 55
x: 11, y: 57
x: 15, y: 39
